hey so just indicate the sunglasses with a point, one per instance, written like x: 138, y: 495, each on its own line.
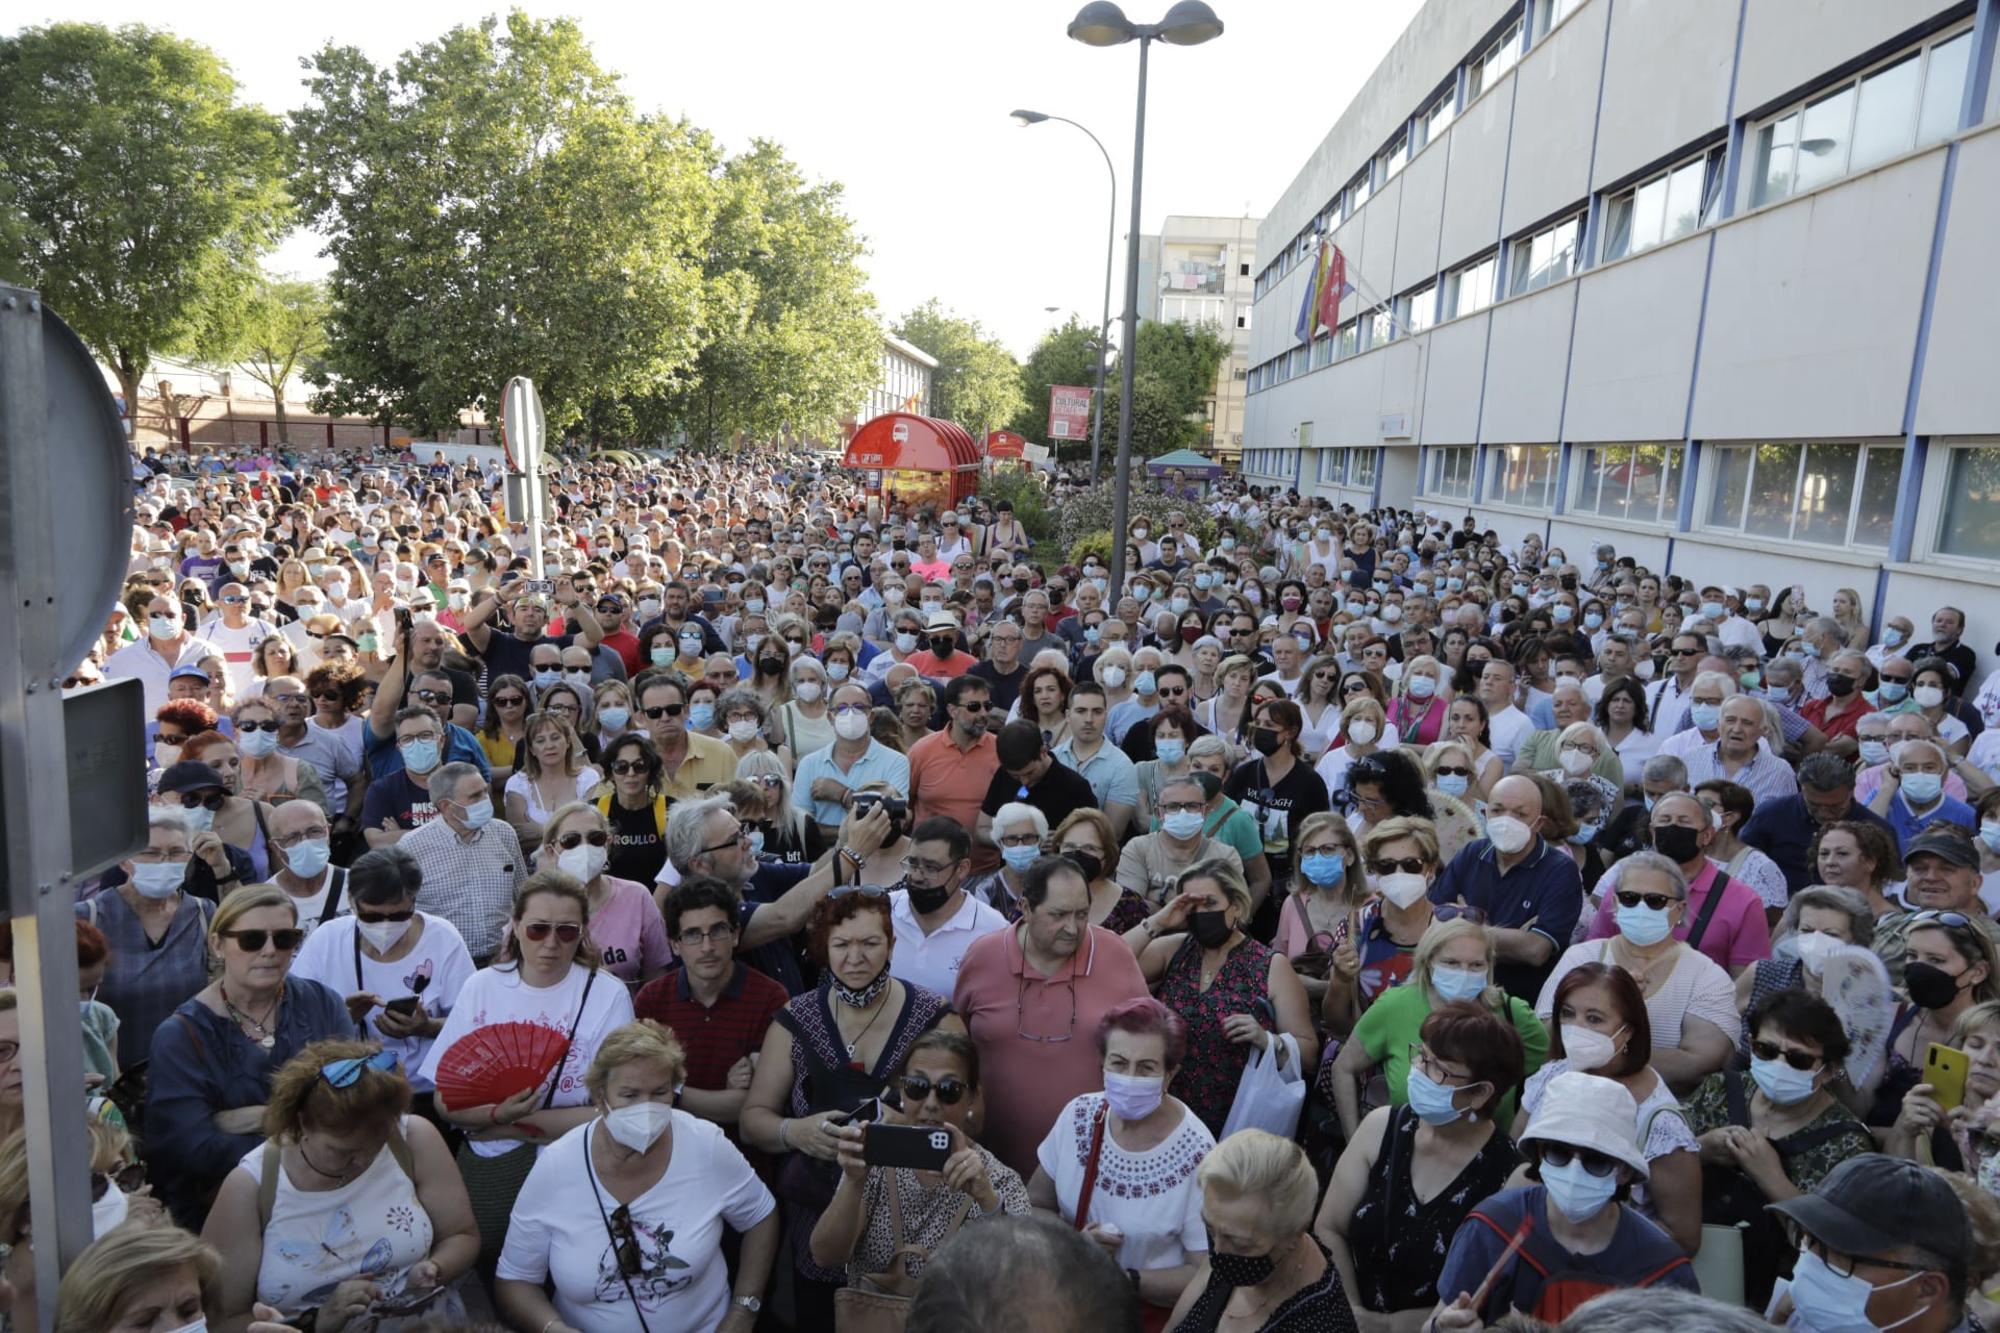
x: 627, y: 767
x: 1658, y: 902
x: 253, y: 941
x: 569, y: 932
x: 949, y: 1090
x: 1934, y: 917
x: 596, y: 838
x: 258, y: 726
x: 630, y: 1261
x: 664, y: 710
x: 346, y: 1073
x: 373, y: 916
x: 327, y: 696
x: 866, y: 890
x: 215, y: 800
x: 1770, y: 1050
x: 1409, y: 865
x: 509, y: 701
x: 1453, y: 912
x: 129, y: 1178
x: 1562, y: 1154
x: 1453, y: 771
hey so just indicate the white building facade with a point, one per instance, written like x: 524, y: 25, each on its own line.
x: 905, y: 382
x: 1713, y: 280
x: 1202, y: 270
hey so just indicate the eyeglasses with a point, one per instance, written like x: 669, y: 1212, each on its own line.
x: 1659, y: 902
x: 215, y: 800
x: 1020, y: 1015
x: 346, y: 1073
x: 1845, y: 1264
x: 285, y: 698
x: 865, y: 890
x: 627, y: 767
x: 1409, y: 865
x: 917, y: 1087
x: 1770, y: 1050
x: 694, y: 939
x: 737, y: 839
x: 1562, y: 1154
x: 1453, y: 912
x: 291, y: 840
x: 664, y: 710
x: 568, y: 932
x: 253, y: 941
x: 596, y: 838
x: 1184, y: 808
x: 329, y: 696
x: 509, y: 700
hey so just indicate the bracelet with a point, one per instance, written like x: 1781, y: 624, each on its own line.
x: 493, y: 1114
x: 782, y: 1122
x: 551, y: 1324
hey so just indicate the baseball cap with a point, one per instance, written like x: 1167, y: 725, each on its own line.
x: 1950, y: 846
x: 190, y: 775
x: 1874, y: 1203
x: 188, y: 671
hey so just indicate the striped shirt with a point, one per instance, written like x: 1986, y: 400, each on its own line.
x: 469, y: 881
x: 1768, y: 777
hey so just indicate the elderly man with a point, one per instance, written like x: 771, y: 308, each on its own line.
x: 304, y: 839
x: 1896, y: 632
x: 472, y: 862
x: 166, y: 645
x: 1725, y: 917
x: 1530, y: 892
x: 827, y: 779
x: 1944, y: 876
x: 1784, y: 828
x: 1569, y: 704
x: 1036, y: 631
x: 1837, y: 713
x: 1911, y: 795
x: 1151, y: 863
x: 1740, y: 755
x: 1823, y: 638
x: 236, y: 633
x: 1947, y: 641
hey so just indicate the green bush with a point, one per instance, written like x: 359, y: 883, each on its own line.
x: 1026, y: 494
x: 1096, y: 543
x: 1090, y: 514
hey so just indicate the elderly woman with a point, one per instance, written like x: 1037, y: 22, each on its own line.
x: 1584, y: 1163
x: 1454, y: 964
x: 213, y: 1060
x: 1817, y: 919
x: 1422, y: 696
x: 1264, y: 1269
x: 885, y: 1221
x: 552, y: 775
x: 548, y: 973
x: 1690, y: 999
x: 1777, y: 1134
x: 627, y: 928
x: 626, y: 1217
x: 134, y: 1279
x: 1086, y: 838
x: 827, y: 1052
x: 1020, y: 831
x: 1195, y: 955
x: 803, y: 723
x: 916, y: 704
x: 1119, y: 1165
x: 156, y: 933
x: 1153, y: 863
x: 241, y: 822
x: 1578, y: 747
x: 1413, y: 1170
x: 342, y: 1156
x: 263, y: 773
x: 745, y: 720
x: 1357, y: 737
x: 611, y: 708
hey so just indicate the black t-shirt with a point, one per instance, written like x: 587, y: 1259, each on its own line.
x: 1060, y: 790
x: 396, y: 797
x: 1005, y: 689
x: 1279, y: 808
x: 638, y: 844
x: 508, y: 655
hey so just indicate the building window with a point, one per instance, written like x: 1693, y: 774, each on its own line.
x: 1901, y: 104
x: 1970, y: 522
x: 1497, y: 59
x: 1637, y: 483
x: 1417, y: 310
x: 1471, y: 288
x: 1358, y: 191
x: 1546, y: 256
x: 1349, y: 340
x: 1522, y: 474
x: 1395, y: 155
x: 1322, y: 351
x: 1549, y: 13
x: 1669, y: 205
x: 1450, y: 473
x: 1433, y: 119
x: 1839, y: 493
x: 1361, y: 472
x: 1332, y: 467
x: 1301, y: 360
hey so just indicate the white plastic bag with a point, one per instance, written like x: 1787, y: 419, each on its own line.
x: 1267, y: 1096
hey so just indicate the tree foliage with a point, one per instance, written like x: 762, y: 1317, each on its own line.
x: 1067, y: 355
x: 1174, y: 375
x: 139, y: 192
x: 494, y: 206
x: 275, y: 335
x: 977, y: 382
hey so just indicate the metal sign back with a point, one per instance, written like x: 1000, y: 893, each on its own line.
x: 106, y: 773
x: 523, y: 428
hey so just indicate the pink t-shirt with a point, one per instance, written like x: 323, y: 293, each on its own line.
x: 630, y: 931
x: 1737, y: 934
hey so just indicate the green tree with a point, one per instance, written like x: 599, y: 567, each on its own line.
x: 277, y: 332
x: 977, y: 382
x: 495, y: 207
x: 1067, y: 355
x: 1173, y: 377
x: 140, y: 191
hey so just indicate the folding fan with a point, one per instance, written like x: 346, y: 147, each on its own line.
x: 496, y: 1062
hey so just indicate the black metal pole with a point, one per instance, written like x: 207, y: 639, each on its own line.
x: 1121, y: 494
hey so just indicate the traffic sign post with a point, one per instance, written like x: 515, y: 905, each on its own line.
x: 523, y: 433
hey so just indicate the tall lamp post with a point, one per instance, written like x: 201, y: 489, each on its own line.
x: 1027, y: 118
x: 1102, y: 23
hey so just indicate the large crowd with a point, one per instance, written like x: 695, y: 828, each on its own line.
x: 1353, y: 921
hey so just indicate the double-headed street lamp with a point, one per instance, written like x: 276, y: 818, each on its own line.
x: 1027, y: 118
x: 1101, y: 23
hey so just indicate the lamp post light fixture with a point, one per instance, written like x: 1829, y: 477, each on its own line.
x: 1102, y: 23
x: 1026, y: 118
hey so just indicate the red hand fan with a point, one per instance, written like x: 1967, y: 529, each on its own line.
x: 496, y: 1062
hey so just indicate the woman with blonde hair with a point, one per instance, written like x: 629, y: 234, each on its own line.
x: 1358, y: 735
x: 264, y: 774
x: 1228, y: 713
x: 1326, y: 895
x: 342, y: 1151
x: 916, y: 704
x: 552, y: 774
x: 624, y: 923
x: 1846, y: 613
x: 136, y: 1277
x: 779, y: 830
x: 1422, y: 695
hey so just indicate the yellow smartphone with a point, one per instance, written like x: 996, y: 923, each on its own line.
x: 1944, y: 1070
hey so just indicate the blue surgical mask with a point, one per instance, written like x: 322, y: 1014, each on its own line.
x: 1829, y: 1302
x: 1322, y: 868
x: 1753, y: 605
x: 1170, y: 751
x: 662, y: 655
x: 1712, y: 610
x: 1989, y: 833
x: 1643, y: 925
x: 1893, y: 691
x: 1430, y: 1099
x: 1580, y: 1195
x: 1018, y: 859
x: 1146, y: 683
x: 479, y: 813
x: 1923, y: 788
x: 1593, y: 619
x: 1453, y: 784
x: 1585, y: 834
x: 701, y: 716
x: 308, y: 858
x: 1705, y: 715
x: 1780, y: 1082
x: 547, y: 677
x: 1182, y: 824
x: 1092, y: 634
x: 1456, y: 983
x: 1560, y: 613
x: 420, y: 756
x: 1892, y: 637
x: 1203, y: 582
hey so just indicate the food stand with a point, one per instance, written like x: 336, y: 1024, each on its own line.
x: 914, y: 461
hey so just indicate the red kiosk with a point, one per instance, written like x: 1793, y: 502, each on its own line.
x: 915, y: 460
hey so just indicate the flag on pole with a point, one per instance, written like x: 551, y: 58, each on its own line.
x: 1308, y: 306
x: 1332, y: 288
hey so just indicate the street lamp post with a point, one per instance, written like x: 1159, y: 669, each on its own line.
x: 1102, y: 23
x: 1104, y: 322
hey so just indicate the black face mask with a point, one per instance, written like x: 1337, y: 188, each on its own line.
x: 771, y: 666
x: 1676, y: 842
x: 1090, y: 863
x: 1209, y: 928
x: 1239, y: 1270
x: 1840, y: 686
x: 1266, y: 740
x: 926, y: 899
x: 1930, y: 986
x: 943, y: 648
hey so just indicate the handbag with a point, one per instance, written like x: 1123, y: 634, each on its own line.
x: 1269, y: 1097
x: 880, y: 1302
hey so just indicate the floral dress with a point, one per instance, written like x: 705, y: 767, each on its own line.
x: 1214, y: 1065
x: 1399, y: 1241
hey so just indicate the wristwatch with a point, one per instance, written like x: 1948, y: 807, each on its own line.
x: 753, y: 1304
x: 1133, y: 1275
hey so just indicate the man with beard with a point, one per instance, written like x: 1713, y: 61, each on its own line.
x: 935, y: 919
x: 951, y: 769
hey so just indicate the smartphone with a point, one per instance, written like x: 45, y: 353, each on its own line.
x: 865, y: 1114
x: 1944, y: 1070
x: 541, y: 587
x: 403, y: 620
x: 918, y: 1147
x: 406, y: 1303
x: 405, y: 1006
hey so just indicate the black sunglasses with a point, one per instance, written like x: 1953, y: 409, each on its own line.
x: 1659, y: 902
x: 1409, y: 865
x: 1770, y: 1050
x: 214, y: 800
x: 664, y: 710
x: 596, y: 838
x: 258, y: 726
x: 949, y: 1089
x: 630, y: 1262
x: 253, y: 941
x: 1560, y: 1155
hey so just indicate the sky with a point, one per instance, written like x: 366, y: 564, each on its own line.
x: 906, y: 102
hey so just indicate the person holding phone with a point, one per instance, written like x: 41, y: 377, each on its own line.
x: 936, y: 1190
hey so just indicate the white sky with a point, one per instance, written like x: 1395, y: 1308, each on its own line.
x: 905, y: 102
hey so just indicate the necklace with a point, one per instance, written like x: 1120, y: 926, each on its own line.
x: 1641, y: 969
x: 876, y: 995
x: 267, y: 1037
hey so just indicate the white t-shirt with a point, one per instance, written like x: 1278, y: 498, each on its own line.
x: 239, y: 646
x: 684, y: 1283
x: 1151, y: 1196
x: 1696, y: 988
x: 932, y: 960
x: 436, y: 969
x: 311, y: 909
x: 496, y: 995
x: 587, y: 780
x: 1510, y: 729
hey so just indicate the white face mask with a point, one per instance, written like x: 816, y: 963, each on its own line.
x: 809, y: 690
x: 1587, y: 1048
x: 383, y: 936
x: 742, y: 731
x: 639, y: 1125
x: 1403, y: 888
x: 1575, y: 762
x: 582, y: 861
x: 108, y: 1211
x: 1361, y: 731
x: 851, y: 726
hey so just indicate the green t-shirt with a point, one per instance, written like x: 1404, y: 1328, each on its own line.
x: 1231, y: 824
x: 1392, y: 1024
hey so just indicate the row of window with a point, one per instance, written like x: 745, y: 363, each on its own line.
x: 1346, y: 466
x: 1271, y: 462
x: 1906, y: 101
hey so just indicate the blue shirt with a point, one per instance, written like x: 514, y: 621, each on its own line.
x: 1784, y: 830
x: 384, y: 757
x: 1544, y: 889
x: 878, y: 763
x: 1113, y: 777
x: 1908, y: 823
x: 1125, y: 716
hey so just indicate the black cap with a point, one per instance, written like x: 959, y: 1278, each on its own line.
x: 1939, y: 840
x: 1874, y: 1204
x: 191, y: 775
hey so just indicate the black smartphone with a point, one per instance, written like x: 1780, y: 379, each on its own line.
x: 918, y: 1147
x: 405, y: 1006
x: 403, y: 621
x: 865, y: 1114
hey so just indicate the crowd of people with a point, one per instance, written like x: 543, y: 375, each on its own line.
x: 1353, y: 921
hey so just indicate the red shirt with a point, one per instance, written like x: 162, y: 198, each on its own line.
x: 929, y: 664
x: 714, y: 1038
x: 1842, y: 724
x: 626, y: 644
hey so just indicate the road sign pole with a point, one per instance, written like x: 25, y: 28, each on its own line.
x: 524, y: 430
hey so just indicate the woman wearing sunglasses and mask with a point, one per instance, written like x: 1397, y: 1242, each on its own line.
x: 213, y: 1060
x: 343, y: 1157
x: 547, y: 973
x: 625, y: 1219
x: 624, y: 923
x: 867, y: 1229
